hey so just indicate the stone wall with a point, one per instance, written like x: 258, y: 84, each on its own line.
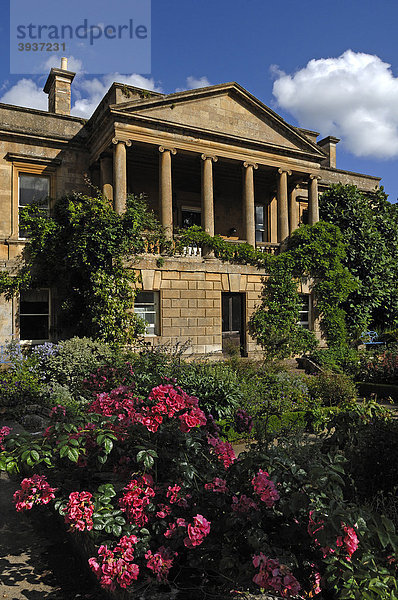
x: 190, y: 299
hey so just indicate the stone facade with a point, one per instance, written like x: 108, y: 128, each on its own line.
x: 215, y: 156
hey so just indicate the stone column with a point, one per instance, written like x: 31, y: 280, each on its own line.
x: 313, y: 205
x: 248, y: 199
x: 166, y: 190
x: 207, y: 193
x: 106, y: 174
x: 120, y: 174
x: 293, y: 210
x: 283, y: 213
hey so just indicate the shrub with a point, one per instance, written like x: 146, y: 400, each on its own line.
x: 340, y: 359
x: 71, y: 361
x: 332, y: 389
x: 379, y: 366
x: 184, y: 513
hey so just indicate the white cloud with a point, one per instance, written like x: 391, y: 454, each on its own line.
x: 91, y: 91
x: 354, y: 96
x: 88, y: 92
x: 74, y: 64
x: 26, y: 93
x: 192, y: 83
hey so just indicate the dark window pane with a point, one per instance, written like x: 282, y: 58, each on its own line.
x: 33, y: 188
x: 190, y: 218
x: 33, y: 327
x: 144, y: 298
x: 225, y: 312
x: 236, y: 312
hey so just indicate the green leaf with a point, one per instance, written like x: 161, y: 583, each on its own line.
x: 73, y: 454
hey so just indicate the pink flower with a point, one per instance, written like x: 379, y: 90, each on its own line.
x: 160, y: 562
x: 351, y: 541
x: 223, y: 450
x: 58, y: 411
x: 197, y: 531
x: 274, y: 576
x: 116, y: 566
x: 265, y: 488
x: 218, y: 485
x: 34, y: 490
x: 136, y: 499
x: 243, y: 504
x: 79, y: 511
x: 4, y: 431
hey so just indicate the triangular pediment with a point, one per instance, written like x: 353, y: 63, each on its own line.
x: 225, y: 109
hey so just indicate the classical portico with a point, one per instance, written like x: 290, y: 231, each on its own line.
x: 261, y: 185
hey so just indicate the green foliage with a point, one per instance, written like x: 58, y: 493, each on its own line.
x: 217, y: 386
x: 319, y: 252
x: 369, y: 225
x: 340, y: 359
x: 79, y: 252
x: 315, y: 253
x: 332, y: 389
x: 275, y: 323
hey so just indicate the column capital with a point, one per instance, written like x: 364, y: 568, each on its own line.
x: 164, y: 149
x: 250, y: 164
x: 116, y: 141
x: 280, y: 171
x: 206, y: 156
x: 315, y: 177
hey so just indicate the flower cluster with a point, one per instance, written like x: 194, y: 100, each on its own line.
x: 223, y: 450
x: 116, y: 566
x: 165, y: 401
x: 172, y: 530
x: 218, y: 485
x: 350, y: 540
x: 274, y: 576
x: 161, y: 562
x: 137, y: 497
x: 243, y: 421
x: 197, y: 531
x: 57, y: 411
x: 79, y: 511
x: 175, y: 497
x: 4, y: 431
x: 243, y: 504
x: 34, y: 490
x: 265, y: 488
x: 120, y: 402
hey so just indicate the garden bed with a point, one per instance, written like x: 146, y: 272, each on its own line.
x: 381, y: 390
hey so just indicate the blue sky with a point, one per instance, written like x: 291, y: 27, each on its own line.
x: 293, y: 55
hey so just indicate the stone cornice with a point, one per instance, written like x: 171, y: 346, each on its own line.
x: 231, y: 88
x: 31, y: 158
x: 190, y: 132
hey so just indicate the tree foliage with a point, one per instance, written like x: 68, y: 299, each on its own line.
x: 79, y: 252
x: 369, y: 226
x: 314, y: 253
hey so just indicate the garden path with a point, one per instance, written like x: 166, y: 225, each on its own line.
x: 36, y: 562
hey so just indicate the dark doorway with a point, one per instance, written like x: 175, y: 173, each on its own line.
x: 233, y: 323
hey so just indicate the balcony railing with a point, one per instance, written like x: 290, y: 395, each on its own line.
x: 195, y: 250
x: 268, y: 247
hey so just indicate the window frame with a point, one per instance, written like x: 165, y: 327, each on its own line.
x: 25, y: 168
x: 156, y: 305
x: 308, y: 323
x: 28, y: 342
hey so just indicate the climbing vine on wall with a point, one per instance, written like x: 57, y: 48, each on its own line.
x: 79, y: 253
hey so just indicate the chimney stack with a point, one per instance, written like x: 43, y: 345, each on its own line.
x: 328, y: 145
x: 58, y: 88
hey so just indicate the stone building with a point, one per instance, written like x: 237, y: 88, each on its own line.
x: 215, y: 157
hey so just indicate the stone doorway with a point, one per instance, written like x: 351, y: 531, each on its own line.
x: 233, y: 323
